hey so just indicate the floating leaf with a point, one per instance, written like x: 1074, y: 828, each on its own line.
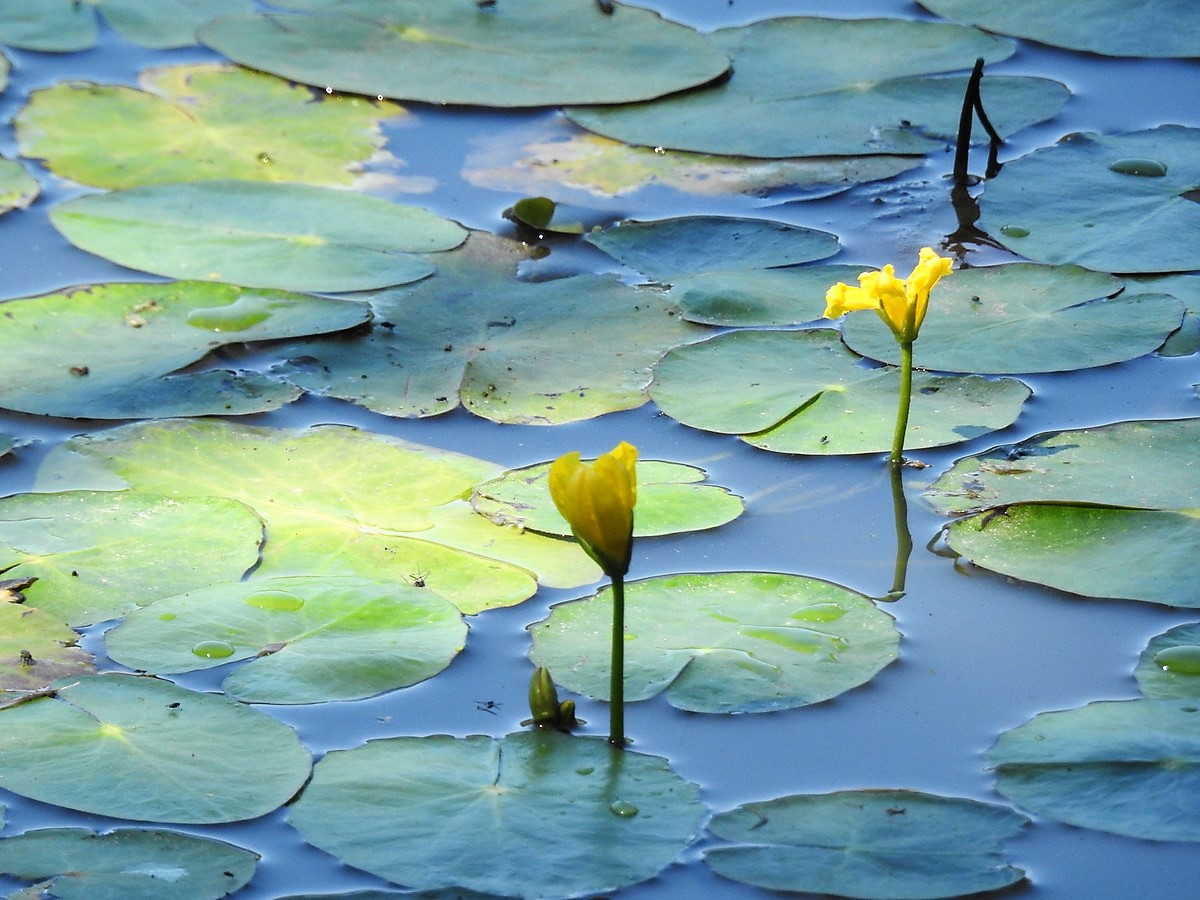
x: 126, y: 864
x: 804, y: 392
x: 872, y: 844
x: 17, y: 187
x: 201, y: 121
x: 1169, y: 667
x: 193, y: 757
x: 720, y: 643
x: 308, y: 639
x: 436, y: 52
x: 1128, y: 767
x: 36, y: 649
x: 829, y: 87
x: 336, y: 501
x: 1144, y: 465
x: 114, y: 348
x: 1186, y: 340
x: 1027, y: 318
x: 64, y: 26
x: 686, y: 246
x: 1108, y: 27
x: 99, y: 554
x: 288, y: 236
x: 536, y: 353
x: 785, y: 296
x: 579, y: 817
x: 48, y: 25
x: 671, y: 499
x: 1087, y: 201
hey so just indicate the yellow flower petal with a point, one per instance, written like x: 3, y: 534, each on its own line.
x: 597, y: 500
x: 901, y: 303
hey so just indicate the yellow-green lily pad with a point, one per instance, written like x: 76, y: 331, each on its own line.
x: 36, y: 649
x: 17, y: 187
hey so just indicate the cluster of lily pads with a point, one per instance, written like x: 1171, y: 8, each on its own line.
x: 333, y: 564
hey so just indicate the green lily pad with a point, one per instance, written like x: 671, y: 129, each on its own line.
x: 1128, y: 767
x: 287, y: 236
x: 1169, y: 667
x: 440, y: 53
x: 1108, y: 27
x: 17, y: 187
x: 118, y: 348
x: 881, y: 844
x: 671, y: 499
x: 1142, y: 465
x: 36, y: 649
x: 64, y: 26
x: 804, y: 392
x: 99, y: 554
x: 785, y: 296
x: 194, y: 757
x: 721, y: 643
x: 1114, y: 203
x: 186, y: 123
x: 1186, y: 288
x: 308, y: 639
x: 126, y: 864
x: 829, y: 87
x: 579, y: 817
x: 1133, y: 554
x: 1026, y: 318
x: 529, y: 161
x: 693, y: 244
x: 336, y: 501
x: 511, y: 351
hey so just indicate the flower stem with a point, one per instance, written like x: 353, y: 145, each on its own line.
x: 616, y: 713
x: 906, y: 358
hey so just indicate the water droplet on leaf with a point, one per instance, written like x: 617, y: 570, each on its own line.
x: 274, y: 600
x: 242, y: 313
x: 623, y: 808
x: 1014, y: 231
x: 168, y: 617
x: 1181, y: 660
x: 213, y: 649
x: 1147, y: 168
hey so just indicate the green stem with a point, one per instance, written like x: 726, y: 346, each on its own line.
x: 906, y: 358
x: 616, y: 713
x: 904, y: 541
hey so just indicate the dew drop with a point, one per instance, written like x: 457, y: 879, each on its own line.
x: 623, y: 808
x: 167, y: 617
x: 242, y: 313
x: 819, y: 612
x: 585, y: 770
x: 265, y: 158
x: 274, y: 600
x: 213, y: 649
x: 1181, y: 660
x: 1147, y: 168
x: 1014, y: 231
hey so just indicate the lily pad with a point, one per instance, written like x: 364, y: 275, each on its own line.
x: 36, y: 649
x: 195, y: 758
x: 287, y: 236
x: 118, y: 348
x: 1186, y: 288
x: 1169, y: 667
x: 535, y: 353
x: 722, y: 643
x: 607, y: 817
x: 99, y: 554
x: 1141, y: 465
x: 671, y: 499
x: 336, y: 501
x: 440, y: 53
x: 686, y: 246
x: 186, y: 123
x: 1108, y: 27
x: 308, y: 639
x: 17, y: 187
x: 1027, y: 318
x: 786, y: 296
x: 67, y: 25
x: 804, y: 392
x: 1128, y: 767
x: 829, y: 87
x: 881, y: 844
x: 126, y: 864
x: 1114, y: 203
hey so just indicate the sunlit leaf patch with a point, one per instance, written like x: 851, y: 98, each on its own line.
x: 438, y: 52
x: 256, y: 234
x: 1128, y: 767
x: 607, y: 818
x: 1169, y: 667
x: 829, y: 87
x: 17, y: 187
x: 885, y: 844
x: 306, y: 639
x: 194, y: 757
x: 125, y: 864
x: 202, y: 121
x: 67, y: 25
x: 804, y: 392
x: 722, y: 643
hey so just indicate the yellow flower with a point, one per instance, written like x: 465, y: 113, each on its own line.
x: 597, y: 501
x: 900, y: 302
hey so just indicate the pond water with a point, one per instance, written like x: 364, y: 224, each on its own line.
x: 980, y: 653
